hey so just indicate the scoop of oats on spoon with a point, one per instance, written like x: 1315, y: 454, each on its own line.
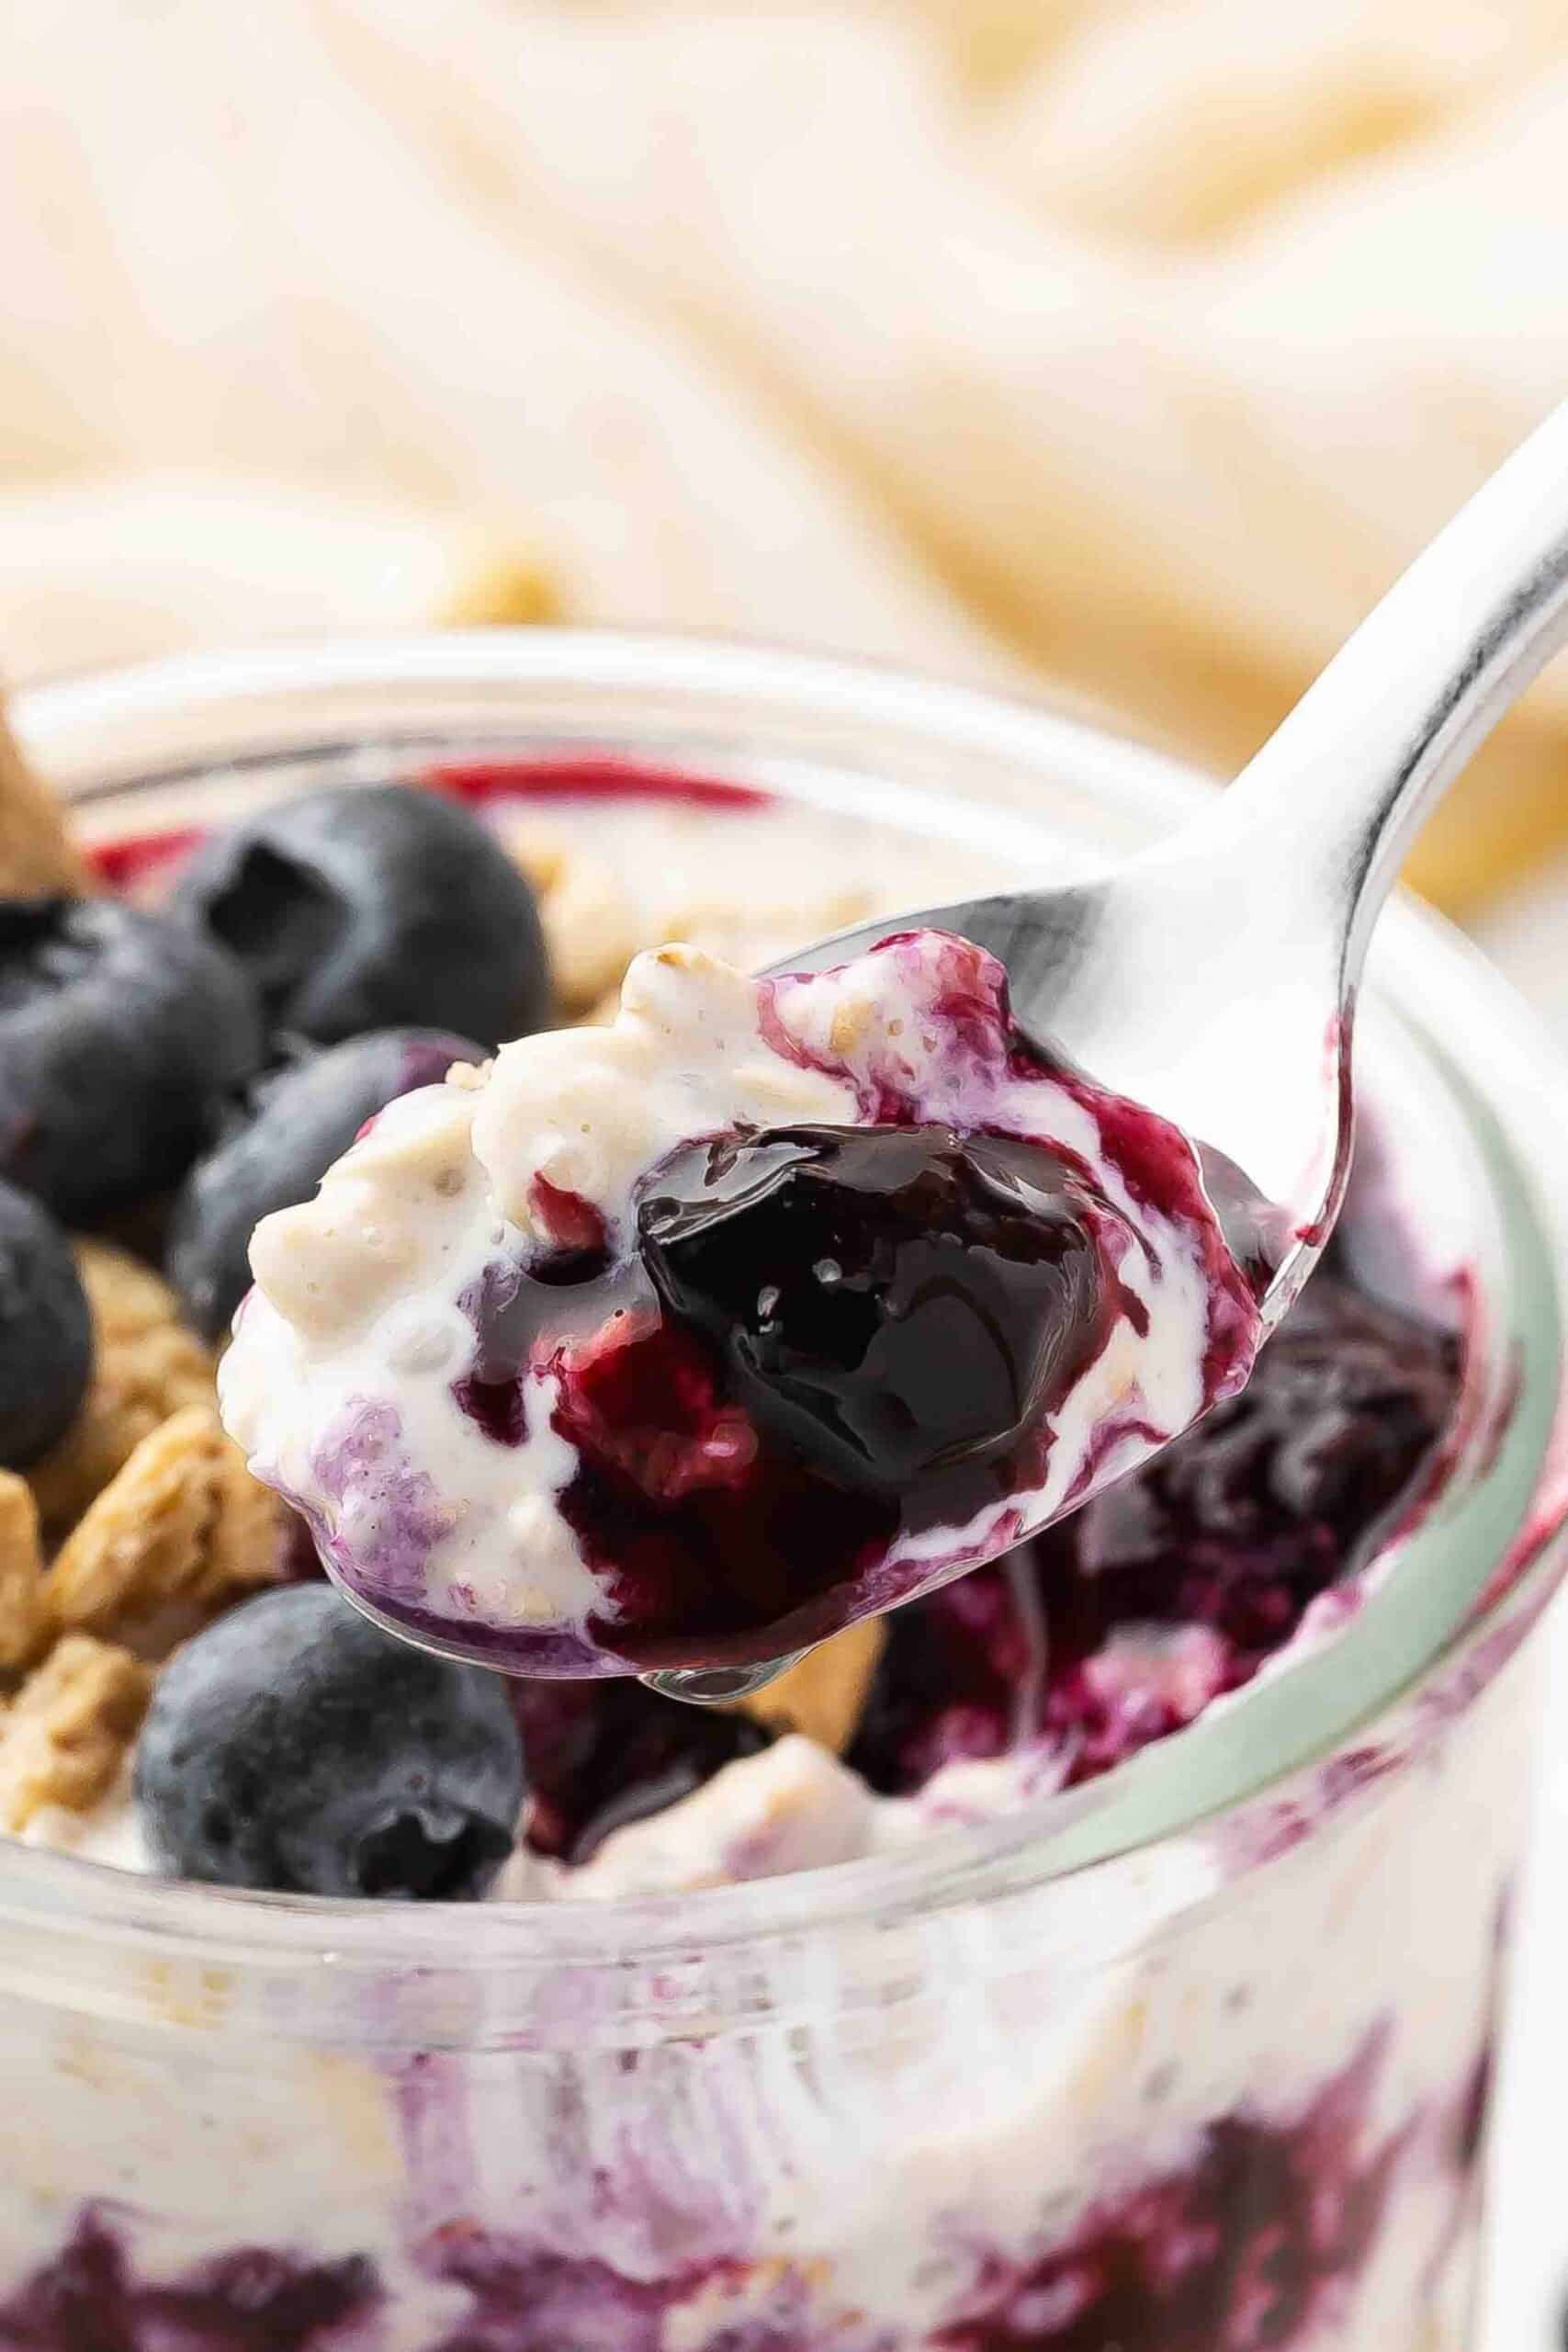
x: 673, y: 1347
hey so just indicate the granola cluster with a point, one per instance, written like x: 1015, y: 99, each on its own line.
x: 136, y: 1529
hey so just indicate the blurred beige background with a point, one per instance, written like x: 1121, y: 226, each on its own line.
x: 1125, y: 345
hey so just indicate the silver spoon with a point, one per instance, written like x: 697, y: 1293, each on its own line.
x: 1213, y: 978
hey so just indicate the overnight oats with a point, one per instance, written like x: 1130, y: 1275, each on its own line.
x: 1101, y: 1948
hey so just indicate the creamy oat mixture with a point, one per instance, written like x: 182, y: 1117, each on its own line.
x: 350, y: 1379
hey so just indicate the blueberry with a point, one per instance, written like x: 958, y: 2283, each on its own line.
x: 120, y: 1032
x: 890, y: 1301
x: 46, y: 1330
x: 294, y: 1124
x: 374, y: 908
x: 294, y: 1746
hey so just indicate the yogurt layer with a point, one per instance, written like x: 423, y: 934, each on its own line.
x: 495, y: 1365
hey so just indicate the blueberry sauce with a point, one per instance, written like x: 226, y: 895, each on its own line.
x: 831, y: 1340
x: 580, y: 1245
x: 746, y: 1456
x: 88, y: 2299
x: 400, y: 1515
x: 491, y: 1391
x: 928, y: 1299
x: 747, y: 1453
x: 600, y: 1755
x: 1110, y: 1631
x: 482, y: 782
x: 1256, y: 2244
x: 1177, y: 1585
x: 497, y: 1407
x: 526, y: 2300
x: 134, y: 862
x: 703, y: 1531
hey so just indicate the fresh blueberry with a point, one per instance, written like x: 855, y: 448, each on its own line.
x: 46, y: 1330
x: 294, y: 1124
x: 889, y: 1301
x: 294, y: 1746
x: 119, y: 1033
x: 374, y: 908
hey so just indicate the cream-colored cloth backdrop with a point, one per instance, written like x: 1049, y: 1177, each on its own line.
x: 1131, y: 347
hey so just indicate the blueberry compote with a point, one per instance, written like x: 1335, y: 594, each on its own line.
x: 602, y: 1755
x: 775, y: 1302
x: 844, y: 1335
x: 1253, y: 2243
x: 854, y: 1332
x: 841, y: 1333
x: 901, y: 1307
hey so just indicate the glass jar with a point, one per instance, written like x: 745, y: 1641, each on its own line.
x: 1193, y: 2058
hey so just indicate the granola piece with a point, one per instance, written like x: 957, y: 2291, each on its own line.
x: 508, y: 589
x: 247, y: 1542
x: 147, y: 1365
x: 541, y: 854
x: 171, y: 1537
x: 128, y: 1298
x: 63, y: 1739
x: 824, y: 1696
x: 22, y: 1619
x: 142, y: 1542
x: 591, y: 931
x: 39, y: 856
x: 592, y: 926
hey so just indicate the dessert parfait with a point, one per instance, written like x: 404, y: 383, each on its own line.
x: 867, y: 2012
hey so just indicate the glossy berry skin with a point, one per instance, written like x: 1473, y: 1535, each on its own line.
x: 295, y: 1747
x: 46, y: 1331
x: 373, y: 908
x: 280, y: 1143
x: 120, y: 1033
x: 890, y: 1301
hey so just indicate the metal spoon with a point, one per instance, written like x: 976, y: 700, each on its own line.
x: 1214, y: 979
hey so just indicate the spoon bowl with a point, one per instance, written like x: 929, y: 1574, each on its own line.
x: 1214, y: 979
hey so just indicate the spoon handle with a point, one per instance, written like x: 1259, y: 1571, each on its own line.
x: 1333, y: 799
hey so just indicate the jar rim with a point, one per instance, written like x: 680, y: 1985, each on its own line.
x: 151, y: 724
